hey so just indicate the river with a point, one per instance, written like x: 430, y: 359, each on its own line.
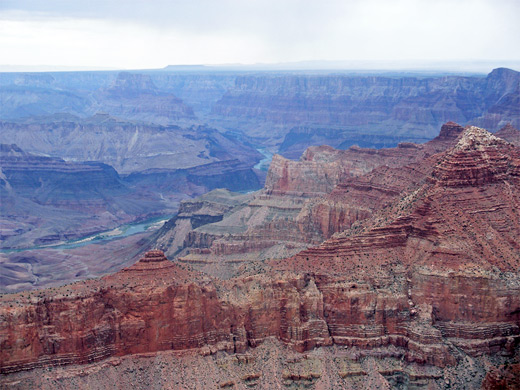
x: 264, y: 163
x: 119, y: 232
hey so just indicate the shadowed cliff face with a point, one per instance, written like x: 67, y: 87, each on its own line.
x: 430, y: 280
x: 46, y: 200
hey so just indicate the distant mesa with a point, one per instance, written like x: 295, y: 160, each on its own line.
x: 177, y: 68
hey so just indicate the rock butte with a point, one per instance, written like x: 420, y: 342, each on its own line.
x: 423, y: 289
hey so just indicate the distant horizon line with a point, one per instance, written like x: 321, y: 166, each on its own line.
x: 471, y: 66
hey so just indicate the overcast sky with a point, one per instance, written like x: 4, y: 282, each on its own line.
x: 132, y: 34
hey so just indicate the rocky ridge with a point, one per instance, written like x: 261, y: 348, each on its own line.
x: 476, y: 251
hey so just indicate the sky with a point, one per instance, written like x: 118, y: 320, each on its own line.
x: 143, y: 34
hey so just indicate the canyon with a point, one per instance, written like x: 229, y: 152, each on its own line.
x: 127, y: 146
x: 178, y: 134
x: 375, y: 252
x: 47, y: 199
x: 57, y: 198
x: 393, y: 268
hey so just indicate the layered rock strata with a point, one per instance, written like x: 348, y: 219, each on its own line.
x: 456, y: 237
x: 135, y: 96
x: 46, y: 200
x: 406, y: 107
x: 154, y: 305
x: 127, y: 146
x: 430, y: 280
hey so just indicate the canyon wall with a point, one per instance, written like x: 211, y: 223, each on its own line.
x: 341, y: 110
x: 46, y: 200
x: 285, y: 111
x: 127, y: 146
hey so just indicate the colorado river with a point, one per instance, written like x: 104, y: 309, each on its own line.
x: 119, y: 232
x: 263, y: 164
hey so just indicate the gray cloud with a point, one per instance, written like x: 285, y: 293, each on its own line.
x: 288, y: 30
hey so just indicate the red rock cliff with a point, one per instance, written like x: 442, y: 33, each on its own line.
x: 431, y: 279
